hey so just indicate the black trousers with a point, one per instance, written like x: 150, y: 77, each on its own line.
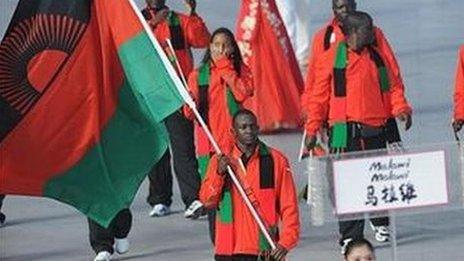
x: 185, y: 165
x: 236, y: 258
x: 1, y: 201
x: 357, y: 141
x: 2, y: 216
x: 212, y: 224
x: 102, y: 239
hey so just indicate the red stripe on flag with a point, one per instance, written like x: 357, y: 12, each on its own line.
x: 68, y: 119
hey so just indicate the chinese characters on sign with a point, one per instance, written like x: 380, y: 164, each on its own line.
x: 364, y: 185
x: 406, y: 191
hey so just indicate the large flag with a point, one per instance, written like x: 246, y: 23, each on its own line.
x: 83, y: 90
x: 267, y: 50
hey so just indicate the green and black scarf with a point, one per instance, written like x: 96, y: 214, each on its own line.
x: 339, y: 133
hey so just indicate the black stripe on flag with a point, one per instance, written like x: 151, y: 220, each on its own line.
x: 37, y: 26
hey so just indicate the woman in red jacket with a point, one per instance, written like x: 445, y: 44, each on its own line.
x: 219, y: 87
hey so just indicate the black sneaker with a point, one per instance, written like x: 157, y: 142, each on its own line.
x: 195, y: 210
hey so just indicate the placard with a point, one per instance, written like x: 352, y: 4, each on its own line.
x: 390, y: 182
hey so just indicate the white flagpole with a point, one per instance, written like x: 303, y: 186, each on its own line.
x: 302, y: 147
x: 171, y: 47
x: 188, y: 99
x: 232, y: 175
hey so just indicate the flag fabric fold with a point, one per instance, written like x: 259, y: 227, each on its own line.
x: 267, y: 50
x: 83, y: 92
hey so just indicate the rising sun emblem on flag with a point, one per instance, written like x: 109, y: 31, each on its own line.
x: 31, y: 56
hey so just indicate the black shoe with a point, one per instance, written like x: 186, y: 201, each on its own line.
x: 195, y: 210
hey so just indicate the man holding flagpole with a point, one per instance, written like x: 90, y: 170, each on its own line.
x: 266, y: 176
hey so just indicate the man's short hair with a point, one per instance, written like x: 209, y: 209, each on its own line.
x: 351, y: 2
x: 243, y: 112
x: 356, y: 20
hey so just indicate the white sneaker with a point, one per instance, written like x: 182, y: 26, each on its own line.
x: 381, y: 233
x: 195, y: 210
x: 344, y: 244
x: 121, y: 245
x: 103, y: 256
x: 160, y: 210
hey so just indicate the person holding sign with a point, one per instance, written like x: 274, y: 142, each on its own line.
x: 459, y: 93
x: 266, y: 177
x: 329, y: 36
x: 355, y: 91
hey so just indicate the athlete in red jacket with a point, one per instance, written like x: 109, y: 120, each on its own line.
x: 185, y: 32
x: 329, y: 36
x: 266, y: 176
x: 356, y: 91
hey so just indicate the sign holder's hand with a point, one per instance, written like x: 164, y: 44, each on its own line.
x: 457, y: 125
x: 407, y: 119
x: 310, y: 142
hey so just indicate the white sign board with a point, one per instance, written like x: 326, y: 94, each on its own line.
x: 390, y: 182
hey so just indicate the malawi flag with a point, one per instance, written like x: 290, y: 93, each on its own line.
x: 83, y: 89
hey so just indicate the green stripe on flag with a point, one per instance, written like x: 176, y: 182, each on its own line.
x: 107, y: 178
x: 145, y: 70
